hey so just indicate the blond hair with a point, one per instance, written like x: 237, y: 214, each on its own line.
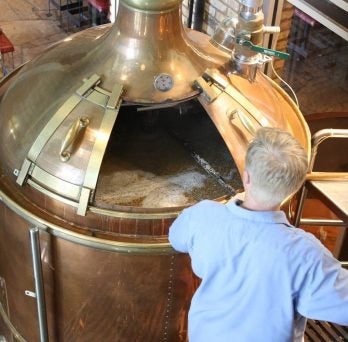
x: 277, y: 165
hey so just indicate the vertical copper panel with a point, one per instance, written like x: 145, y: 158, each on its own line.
x: 16, y: 270
x: 103, y: 296
x: 93, y: 294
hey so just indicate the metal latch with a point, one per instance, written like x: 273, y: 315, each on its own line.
x: 269, y: 52
x: 30, y: 293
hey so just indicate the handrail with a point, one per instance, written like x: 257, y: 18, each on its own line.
x: 322, y: 135
x: 317, y: 139
x: 327, y: 176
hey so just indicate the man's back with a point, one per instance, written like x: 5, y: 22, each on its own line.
x: 258, y: 273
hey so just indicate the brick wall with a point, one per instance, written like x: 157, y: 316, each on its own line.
x: 285, y: 27
x: 215, y: 12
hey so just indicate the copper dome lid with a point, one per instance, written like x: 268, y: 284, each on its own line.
x: 58, y: 111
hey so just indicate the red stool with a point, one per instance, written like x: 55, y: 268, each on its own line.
x: 99, y: 10
x: 5, y: 47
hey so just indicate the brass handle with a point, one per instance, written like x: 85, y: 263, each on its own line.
x: 244, y: 119
x: 65, y: 151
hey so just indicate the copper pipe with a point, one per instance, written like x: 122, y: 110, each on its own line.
x: 254, y: 4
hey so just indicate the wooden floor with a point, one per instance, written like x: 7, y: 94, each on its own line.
x: 317, y: 331
x: 29, y: 28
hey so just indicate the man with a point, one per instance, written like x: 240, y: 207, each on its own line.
x: 260, y: 276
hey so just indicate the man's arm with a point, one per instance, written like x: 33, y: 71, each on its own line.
x: 325, y: 292
x: 179, y: 232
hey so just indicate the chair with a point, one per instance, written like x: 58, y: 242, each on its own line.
x: 5, y: 47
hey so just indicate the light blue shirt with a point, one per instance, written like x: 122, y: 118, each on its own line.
x: 260, y: 275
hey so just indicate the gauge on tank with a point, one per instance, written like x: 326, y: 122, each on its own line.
x: 163, y: 82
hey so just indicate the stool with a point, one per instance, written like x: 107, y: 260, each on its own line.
x: 5, y: 47
x: 99, y: 11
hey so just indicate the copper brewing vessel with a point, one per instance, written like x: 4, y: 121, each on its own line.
x: 100, y: 138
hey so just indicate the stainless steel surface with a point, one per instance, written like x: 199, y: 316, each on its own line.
x: 224, y: 36
x: 250, y: 26
x: 242, y: 38
x: 39, y: 283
